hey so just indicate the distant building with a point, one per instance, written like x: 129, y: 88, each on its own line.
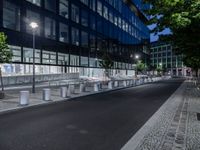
x: 162, y: 55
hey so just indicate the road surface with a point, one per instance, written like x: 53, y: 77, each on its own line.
x: 99, y: 122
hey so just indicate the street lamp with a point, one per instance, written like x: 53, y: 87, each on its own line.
x: 136, y: 57
x: 34, y: 26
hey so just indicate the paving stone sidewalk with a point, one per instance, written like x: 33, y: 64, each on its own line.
x: 174, y: 126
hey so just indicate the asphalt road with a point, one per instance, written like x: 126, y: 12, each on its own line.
x: 99, y: 122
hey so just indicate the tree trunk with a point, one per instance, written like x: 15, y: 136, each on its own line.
x: 2, y: 86
x: 2, y: 94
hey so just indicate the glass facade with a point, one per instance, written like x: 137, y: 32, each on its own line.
x: 74, y: 33
x: 36, y: 2
x: 50, y: 28
x: 11, y: 16
x: 162, y: 55
x: 64, y: 8
x: 64, y: 33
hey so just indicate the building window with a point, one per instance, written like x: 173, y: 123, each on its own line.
x: 16, y: 50
x: 84, y: 39
x: 93, y: 5
x: 74, y: 60
x: 93, y: 22
x: 28, y: 55
x: 115, y: 20
x: 99, y: 8
x: 105, y: 12
x: 64, y: 8
x: 111, y: 16
x: 75, y: 36
x: 64, y: 33
x: 36, y: 2
x: 32, y: 17
x: 50, y: 28
x: 92, y: 43
x: 119, y: 22
x: 75, y: 13
x: 11, y: 16
x: 50, y: 5
x: 84, y: 18
x: 63, y: 59
x: 48, y: 57
x: 84, y: 61
x: 85, y: 2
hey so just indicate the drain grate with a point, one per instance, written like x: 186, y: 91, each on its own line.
x: 198, y: 116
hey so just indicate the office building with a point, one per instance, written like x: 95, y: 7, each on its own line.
x: 72, y: 35
x: 163, y: 56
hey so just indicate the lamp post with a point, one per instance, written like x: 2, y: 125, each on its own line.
x: 136, y: 57
x: 33, y: 25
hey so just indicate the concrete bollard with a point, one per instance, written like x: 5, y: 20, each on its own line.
x: 46, y: 96
x: 68, y: 91
x: 110, y: 85
x: 96, y: 88
x: 63, y: 92
x: 124, y: 83
x: 82, y: 87
x: 127, y: 84
x: 24, y: 97
x: 72, y: 88
x: 131, y: 82
x: 116, y: 84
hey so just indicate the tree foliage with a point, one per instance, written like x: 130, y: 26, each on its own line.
x: 106, y: 63
x: 140, y: 66
x: 5, y: 53
x: 182, y: 17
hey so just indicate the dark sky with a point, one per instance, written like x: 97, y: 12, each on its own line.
x: 155, y: 37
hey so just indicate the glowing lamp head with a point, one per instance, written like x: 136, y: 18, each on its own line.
x: 33, y: 25
x: 137, y: 56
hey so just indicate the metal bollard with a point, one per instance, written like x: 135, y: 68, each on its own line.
x: 46, y: 96
x: 24, y: 97
x: 110, y: 85
x: 96, y: 89
x: 63, y: 92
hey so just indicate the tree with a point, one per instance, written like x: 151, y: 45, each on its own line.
x: 193, y: 62
x: 182, y: 17
x: 159, y: 69
x: 152, y: 68
x: 140, y: 66
x: 106, y: 63
x: 5, y: 56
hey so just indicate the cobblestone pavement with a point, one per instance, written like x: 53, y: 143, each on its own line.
x: 174, y: 126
